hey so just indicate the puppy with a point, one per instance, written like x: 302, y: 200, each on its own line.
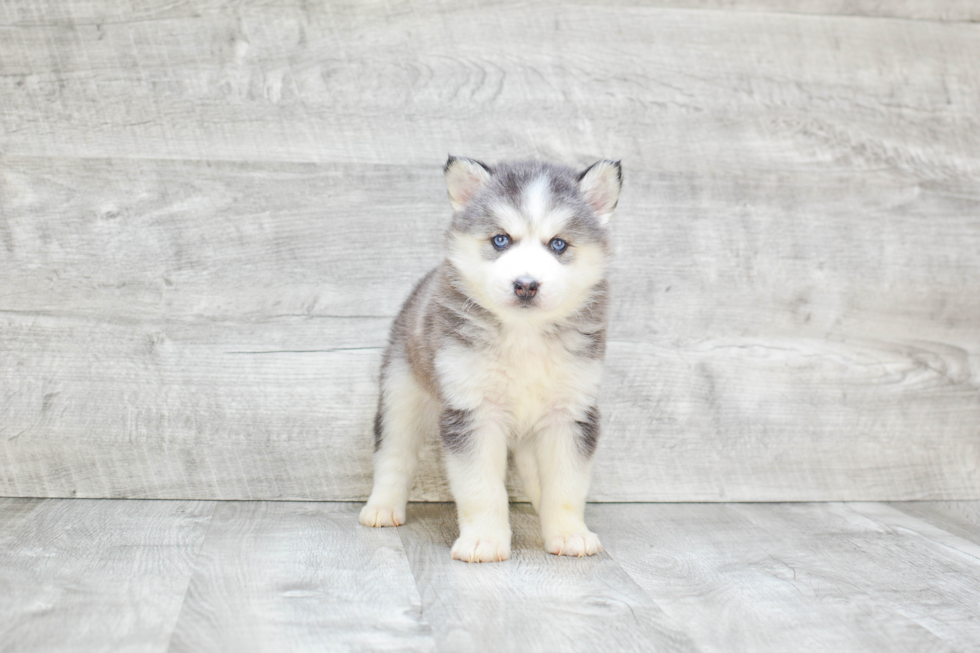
x: 499, y: 347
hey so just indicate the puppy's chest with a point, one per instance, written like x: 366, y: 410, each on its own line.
x: 528, y: 375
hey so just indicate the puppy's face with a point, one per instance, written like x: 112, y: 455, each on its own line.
x: 529, y: 239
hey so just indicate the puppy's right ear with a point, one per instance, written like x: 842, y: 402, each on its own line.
x: 464, y: 178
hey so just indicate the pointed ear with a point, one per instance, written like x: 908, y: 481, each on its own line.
x: 600, y: 184
x: 464, y: 178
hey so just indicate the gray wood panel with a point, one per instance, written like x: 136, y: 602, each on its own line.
x: 533, y: 602
x: 95, y: 575
x: 23, y: 13
x: 209, y: 213
x: 300, y: 577
x: 392, y: 83
x: 827, y: 577
x: 168, y: 410
x: 149, y: 352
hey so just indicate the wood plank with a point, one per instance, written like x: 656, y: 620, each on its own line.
x: 145, y: 238
x: 100, y: 11
x: 300, y: 577
x: 767, y: 577
x: 164, y: 410
x: 95, y: 575
x: 905, y: 565
x: 393, y: 82
x: 534, y: 601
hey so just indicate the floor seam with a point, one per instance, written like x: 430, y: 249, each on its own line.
x: 415, y: 581
x: 192, y: 574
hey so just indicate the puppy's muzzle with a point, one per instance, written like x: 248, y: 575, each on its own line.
x: 525, y: 288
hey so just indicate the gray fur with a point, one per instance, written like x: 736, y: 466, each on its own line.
x: 508, y: 182
x: 379, y: 422
x: 588, y: 432
x: 454, y: 429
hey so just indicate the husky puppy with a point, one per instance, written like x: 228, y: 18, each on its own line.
x: 499, y: 347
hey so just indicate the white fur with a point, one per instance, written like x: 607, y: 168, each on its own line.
x: 527, y: 397
x: 531, y: 377
x: 563, y: 286
x: 477, y: 483
x: 537, y: 199
x: 414, y: 414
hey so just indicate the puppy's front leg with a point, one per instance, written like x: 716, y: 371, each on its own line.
x: 564, y: 450
x: 475, y: 448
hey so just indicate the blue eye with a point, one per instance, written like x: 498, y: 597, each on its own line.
x: 500, y: 241
x: 558, y: 245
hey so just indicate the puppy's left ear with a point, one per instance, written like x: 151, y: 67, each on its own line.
x: 464, y: 178
x: 600, y: 184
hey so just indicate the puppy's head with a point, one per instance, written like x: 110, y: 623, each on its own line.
x: 529, y: 240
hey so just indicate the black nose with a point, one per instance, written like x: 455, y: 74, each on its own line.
x: 525, y: 287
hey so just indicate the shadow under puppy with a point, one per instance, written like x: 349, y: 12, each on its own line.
x: 499, y: 347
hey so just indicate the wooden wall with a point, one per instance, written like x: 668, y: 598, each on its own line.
x: 210, y: 212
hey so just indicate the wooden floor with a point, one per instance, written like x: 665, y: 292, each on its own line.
x: 118, y: 575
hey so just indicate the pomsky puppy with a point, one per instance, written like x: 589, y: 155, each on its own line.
x: 499, y: 347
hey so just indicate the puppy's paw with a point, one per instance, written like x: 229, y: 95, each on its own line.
x: 486, y: 548
x: 581, y: 544
x: 376, y: 516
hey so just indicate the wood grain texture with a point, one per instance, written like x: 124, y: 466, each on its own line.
x: 150, y: 353
x: 79, y: 575
x: 180, y: 416
x: 827, y: 577
x: 892, y: 557
x: 961, y: 518
x: 388, y: 82
x: 943, y: 10
x: 533, y: 602
x: 27, y: 14
x: 95, y: 575
x: 300, y: 577
x: 210, y: 212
